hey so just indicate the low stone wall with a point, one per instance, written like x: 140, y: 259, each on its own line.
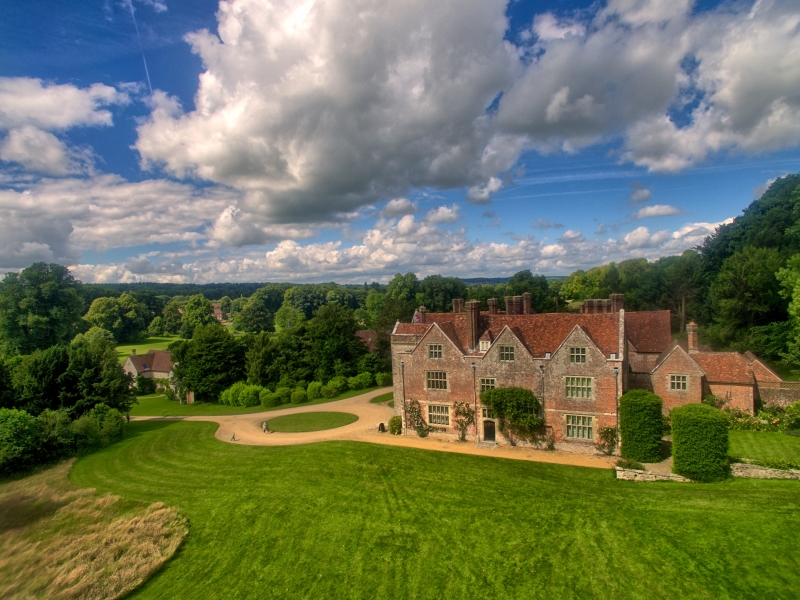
x: 758, y: 472
x: 637, y: 475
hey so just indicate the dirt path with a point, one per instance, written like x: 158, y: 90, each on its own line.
x: 248, y: 431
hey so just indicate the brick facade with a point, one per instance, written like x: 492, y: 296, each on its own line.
x: 577, y: 364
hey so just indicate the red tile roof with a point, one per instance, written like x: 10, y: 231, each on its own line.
x: 155, y: 360
x: 648, y: 331
x: 369, y: 338
x: 540, y: 333
x: 724, y: 367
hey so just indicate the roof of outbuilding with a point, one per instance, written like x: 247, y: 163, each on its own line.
x: 648, y: 331
x: 724, y: 367
x: 155, y: 360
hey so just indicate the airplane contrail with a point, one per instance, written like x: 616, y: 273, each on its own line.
x: 144, y: 60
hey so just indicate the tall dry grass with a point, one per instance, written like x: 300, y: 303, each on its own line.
x: 62, y: 542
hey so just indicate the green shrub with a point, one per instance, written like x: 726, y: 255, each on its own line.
x: 145, y: 386
x: 299, y: 396
x: 396, y: 425
x: 285, y: 394
x: 230, y: 396
x: 641, y: 425
x: 517, y: 411
x: 700, y: 442
x: 314, y: 390
x: 56, y: 437
x: 328, y: 391
x: 20, y: 436
x: 360, y: 381
x: 608, y: 439
x: 339, y: 384
x: 383, y: 379
x: 250, y: 396
x: 87, y: 432
x: 270, y: 399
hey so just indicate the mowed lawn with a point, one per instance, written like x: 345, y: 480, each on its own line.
x: 157, y: 405
x: 354, y: 520
x: 762, y: 445
x: 314, y: 421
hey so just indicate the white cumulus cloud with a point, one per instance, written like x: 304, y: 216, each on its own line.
x: 657, y: 210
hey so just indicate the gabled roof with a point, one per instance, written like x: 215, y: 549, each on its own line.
x: 724, y: 367
x: 155, y: 360
x: 648, y: 331
x: 539, y: 333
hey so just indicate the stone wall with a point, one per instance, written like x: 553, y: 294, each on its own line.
x: 780, y: 394
x: 759, y: 472
x: 637, y: 475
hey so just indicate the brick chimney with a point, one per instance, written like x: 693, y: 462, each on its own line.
x: 509, y: 305
x: 492, y: 302
x: 473, y: 314
x: 422, y: 313
x: 691, y: 330
x: 617, y: 302
x: 455, y: 305
x: 133, y: 352
x: 526, y: 303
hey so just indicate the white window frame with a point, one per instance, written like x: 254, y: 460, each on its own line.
x: 488, y: 383
x: 439, y: 383
x: 678, y: 382
x: 579, y: 427
x: 509, y: 352
x: 578, y: 387
x: 439, y: 415
x: 483, y: 345
x: 577, y: 355
x: 434, y: 350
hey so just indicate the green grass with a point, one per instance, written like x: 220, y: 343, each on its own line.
x: 157, y: 405
x: 355, y: 520
x: 762, y: 445
x: 142, y: 346
x: 315, y: 421
x: 382, y: 398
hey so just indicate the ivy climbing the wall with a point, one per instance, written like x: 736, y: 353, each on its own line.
x: 463, y: 418
x: 518, y: 413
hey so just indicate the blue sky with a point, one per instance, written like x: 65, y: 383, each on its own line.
x: 333, y: 140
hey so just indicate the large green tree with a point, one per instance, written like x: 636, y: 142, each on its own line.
x: 196, y: 312
x: 39, y: 307
x: 210, y: 362
x: 332, y: 343
x: 124, y: 317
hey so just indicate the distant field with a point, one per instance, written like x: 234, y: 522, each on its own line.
x: 141, y: 347
x: 762, y: 445
x: 157, y: 405
x: 355, y: 520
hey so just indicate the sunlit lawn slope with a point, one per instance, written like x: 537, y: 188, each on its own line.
x: 763, y: 445
x: 350, y: 520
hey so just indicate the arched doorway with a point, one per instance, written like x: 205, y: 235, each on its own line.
x: 488, y: 431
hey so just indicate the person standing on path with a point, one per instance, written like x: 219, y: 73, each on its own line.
x: 128, y: 416
x: 233, y: 437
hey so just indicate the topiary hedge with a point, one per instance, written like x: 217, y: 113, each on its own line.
x: 299, y: 396
x: 360, y: 381
x: 383, y: 379
x: 700, y: 442
x: 641, y: 426
x: 396, y: 425
x: 314, y: 390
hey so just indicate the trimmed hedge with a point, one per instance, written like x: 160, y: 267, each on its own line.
x: 641, y: 426
x: 383, y: 379
x: 241, y: 394
x: 360, y: 381
x: 270, y: 399
x: 299, y: 396
x: 314, y: 390
x: 700, y: 442
x: 396, y: 425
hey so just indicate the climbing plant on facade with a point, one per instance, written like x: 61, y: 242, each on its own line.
x: 463, y: 418
x: 415, y: 420
x: 518, y: 413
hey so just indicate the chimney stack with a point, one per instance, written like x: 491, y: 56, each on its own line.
x: 492, y: 302
x: 691, y: 330
x: 617, y: 302
x: 422, y: 313
x: 133, y: 352
x: 509, y: 305
x: 473, y: 314
x: 526, y: 303
x: 455, y: 305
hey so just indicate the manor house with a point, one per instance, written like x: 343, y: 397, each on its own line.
x: 578, y: 364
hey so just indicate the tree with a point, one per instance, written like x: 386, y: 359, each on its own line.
x: 288, y: 317
x: 746, y: 293
x: 124, y: 317
x: 210, y: 362
x: 39, y: 307
x: 254, y: 317
x: 403, y: 287
x: 331, y: 336
x: 683, y: 281
x: 436, y: 293
x: 173, y: 313
x: 536, y: 285
x: 36, y: 379
x: 196, y: 312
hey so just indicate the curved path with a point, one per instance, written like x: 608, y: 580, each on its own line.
x: 247, y: 428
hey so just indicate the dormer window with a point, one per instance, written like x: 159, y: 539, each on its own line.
x: 434, y: 351
x: 484, y: 345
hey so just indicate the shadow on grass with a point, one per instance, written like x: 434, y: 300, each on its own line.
x: 666, y: 449
x: 139, y: 428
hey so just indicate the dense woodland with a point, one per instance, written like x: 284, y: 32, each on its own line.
x: 57, y: 335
